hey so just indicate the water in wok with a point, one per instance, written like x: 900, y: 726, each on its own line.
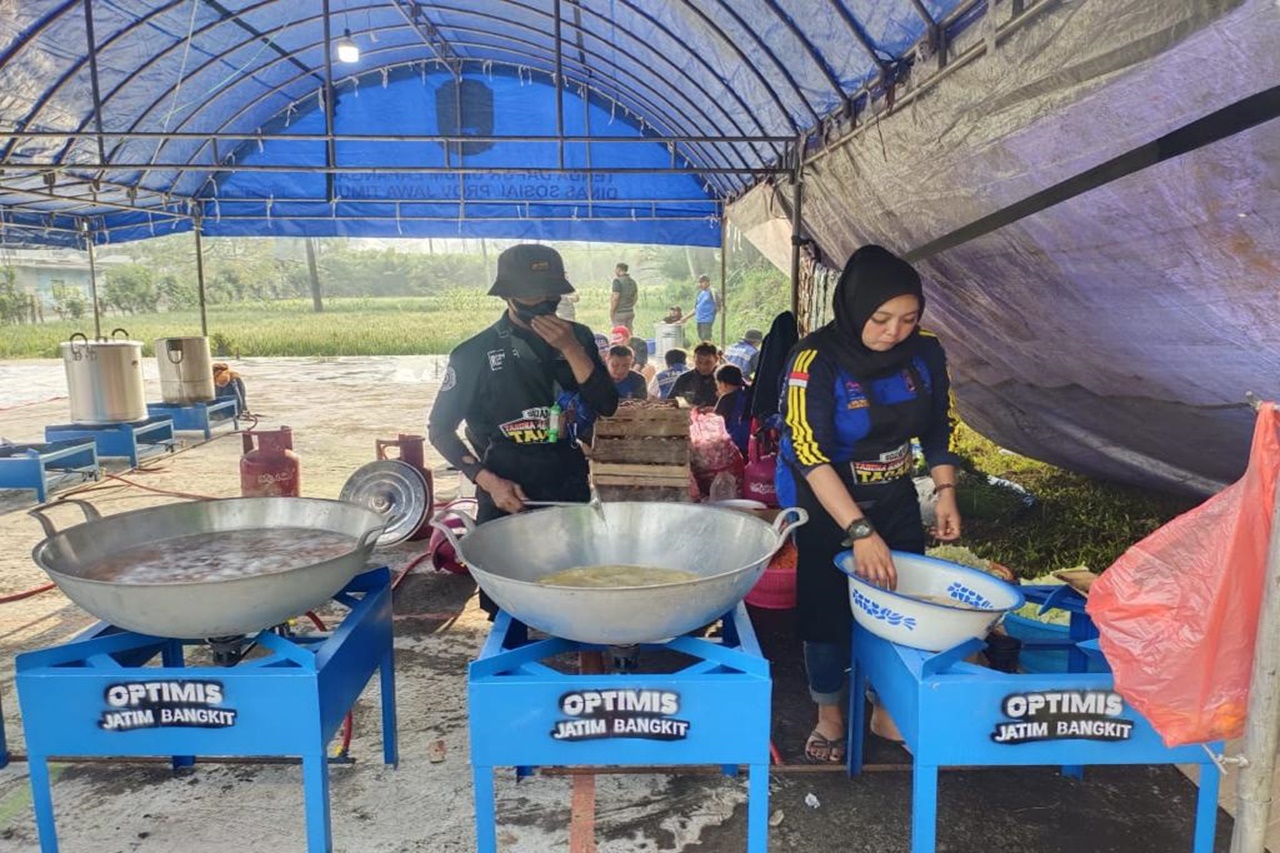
x: 210, y: 568
x: 727, y: 550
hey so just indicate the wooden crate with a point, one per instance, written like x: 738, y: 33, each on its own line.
x: 642, y: 454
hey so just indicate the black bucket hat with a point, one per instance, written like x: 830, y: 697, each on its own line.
x: 529, y: 270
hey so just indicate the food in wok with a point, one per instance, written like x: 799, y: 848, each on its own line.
x: 616, y: 576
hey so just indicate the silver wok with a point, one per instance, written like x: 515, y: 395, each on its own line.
x: 728, y: 550
x: 204, y: 608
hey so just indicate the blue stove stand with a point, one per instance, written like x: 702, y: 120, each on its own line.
x: 198, y: 417
x: 714, y: 711
x: 93, y: 696
x: 953, y: 713
x: 129, y: 440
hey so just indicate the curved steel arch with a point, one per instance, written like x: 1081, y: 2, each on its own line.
x: 636, y: 95
x: 657, y: 117
x: 522, y: 56
x: 697, y: 57
x: 279, y: 89
x: 818, y: 59
x: 580, y: 31
x: 755, y: 37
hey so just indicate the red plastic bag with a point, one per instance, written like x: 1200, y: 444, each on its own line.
x: 1178, y: 612
x: 712, y: 451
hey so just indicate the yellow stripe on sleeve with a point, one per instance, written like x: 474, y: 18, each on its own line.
x: 806, y: 448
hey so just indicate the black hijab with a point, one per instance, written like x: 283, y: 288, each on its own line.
x: 872, y: 277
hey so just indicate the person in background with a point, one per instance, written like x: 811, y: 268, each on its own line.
x: 229, y: 385
x: 665, y: 380
x: 640, y: 347
x: 855, y: 393
x: 505, y: 382
x: 745, y: 353
x: 619, y: 336
x: 674, y: 315
x: 622, y: 301
x: 698, y: 386
x: 704, y: 309
x: 567, y: 309
x: 602, y: 345
x: 630, y: 384
x: 734, y: 404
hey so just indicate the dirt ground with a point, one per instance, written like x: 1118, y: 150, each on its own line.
x: 337, y: 408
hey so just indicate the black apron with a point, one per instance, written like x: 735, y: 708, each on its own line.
x: 546, y: 471
x: 822, y: 595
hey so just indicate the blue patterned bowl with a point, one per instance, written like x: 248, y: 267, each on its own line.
x: 937, y: 604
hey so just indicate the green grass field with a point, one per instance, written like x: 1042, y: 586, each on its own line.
x: 356, y: 326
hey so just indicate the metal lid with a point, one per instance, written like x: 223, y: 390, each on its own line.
x: 395, y: 490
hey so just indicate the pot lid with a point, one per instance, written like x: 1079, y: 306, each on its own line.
x: 395, y: 490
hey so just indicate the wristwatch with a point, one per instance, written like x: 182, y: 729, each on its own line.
x: 859, y: 528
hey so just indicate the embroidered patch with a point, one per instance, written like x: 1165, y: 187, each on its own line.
x: 450, y: 379
x: 496, y: 358
x: 798, y: 379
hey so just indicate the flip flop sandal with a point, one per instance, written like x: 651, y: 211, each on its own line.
x: 817, y: 742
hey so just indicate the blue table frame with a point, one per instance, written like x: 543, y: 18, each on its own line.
x: 29, y: 468
x: 94, y: 696
x: 714, y: 711
x: 198, y: 417
x: 125, y: 440
x: 955, y: 713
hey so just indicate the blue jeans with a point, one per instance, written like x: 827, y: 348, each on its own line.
x: 827, y: 665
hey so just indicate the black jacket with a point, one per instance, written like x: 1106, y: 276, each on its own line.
x: 503, y: 382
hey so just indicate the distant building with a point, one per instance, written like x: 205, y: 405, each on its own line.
x: 39, y: 271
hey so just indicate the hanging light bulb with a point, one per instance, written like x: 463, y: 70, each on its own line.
x: 348, y: 50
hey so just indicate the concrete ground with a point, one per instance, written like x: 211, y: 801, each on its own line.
x: 337, y: 407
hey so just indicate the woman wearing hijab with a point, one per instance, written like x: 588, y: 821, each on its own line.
x: 855, y: 393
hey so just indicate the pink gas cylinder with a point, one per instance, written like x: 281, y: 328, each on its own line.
x: 757, y: 476
x: 271, y: 469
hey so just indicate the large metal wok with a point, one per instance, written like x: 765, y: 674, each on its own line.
x: 728, y: 550
x: 204, y: 608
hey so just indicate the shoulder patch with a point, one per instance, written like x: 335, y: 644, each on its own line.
x: 450, y: 379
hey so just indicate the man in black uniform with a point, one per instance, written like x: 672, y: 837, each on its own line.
x: 504, y: 383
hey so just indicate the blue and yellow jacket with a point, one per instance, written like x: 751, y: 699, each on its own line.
x: 864, y: 430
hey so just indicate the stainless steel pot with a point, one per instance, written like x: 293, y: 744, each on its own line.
x: 186, y: 370
x: 104, y: 379
x: 210, y: 608
x: 728, y: 550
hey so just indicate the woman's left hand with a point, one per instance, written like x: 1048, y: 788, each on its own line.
x: 946, y: 517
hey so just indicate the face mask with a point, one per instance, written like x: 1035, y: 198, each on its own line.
x: 537, y: 309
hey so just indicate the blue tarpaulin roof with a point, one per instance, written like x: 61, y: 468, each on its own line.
x: 128, y: 117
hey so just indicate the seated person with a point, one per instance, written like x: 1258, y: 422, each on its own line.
x: 698, y: 386
x: 602, y: 344
x: 640, y: 347
x: 674, y: 315
x: 228, y: 385
x: 630, y: 385
x: 734, y: 404
x: 663, y: 380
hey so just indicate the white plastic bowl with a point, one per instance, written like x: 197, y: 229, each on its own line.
x: 900, y: 617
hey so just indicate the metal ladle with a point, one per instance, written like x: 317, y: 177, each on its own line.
x: 595, y: 503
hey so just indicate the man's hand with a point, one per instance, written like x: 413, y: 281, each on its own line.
x: 507, y: 496
x: 555, y: 331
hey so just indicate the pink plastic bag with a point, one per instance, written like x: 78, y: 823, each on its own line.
x: 1178, y: 612
x: 711, y: 452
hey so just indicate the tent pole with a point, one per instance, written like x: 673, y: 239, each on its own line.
x: 1262, y: 723
x: 197, y: 227
x: 724, y: 247
x: 797, y: 198
x: 93, y: 278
